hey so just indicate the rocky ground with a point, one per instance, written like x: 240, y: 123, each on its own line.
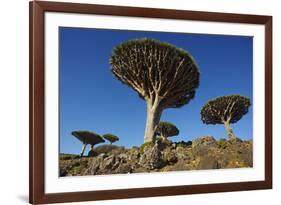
x: 201, y: 153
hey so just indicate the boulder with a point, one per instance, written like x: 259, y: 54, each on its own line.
x: 208, y: 162
x: 204, y: 141
x: 203, y: 145
x: 93, y: 165
x: 170, y: 156
x: 63, y: 172
x: 124, y: 168
x: 151, y: 158
x: 134, y: 155
x: 108, y: 162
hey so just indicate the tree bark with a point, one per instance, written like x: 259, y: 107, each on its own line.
x: 92, y: 147
x: 229, y: 130
x: 152, y: 120
x: 164, y: 137
x: 83, y: 150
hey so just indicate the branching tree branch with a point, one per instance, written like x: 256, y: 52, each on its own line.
x: 163, y: 75
x: 225, y: 110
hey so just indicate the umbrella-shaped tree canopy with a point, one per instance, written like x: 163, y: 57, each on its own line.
x: 225, y: 110
x: 167, y: 129
x: 164, y: 75
x: 110, y: 137
x: 87, y: 137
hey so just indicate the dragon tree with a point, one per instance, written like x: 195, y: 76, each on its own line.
x: 163, y: 75
x: 167, y: 129
x: 86, y: 138
x: 225, y: 110
x: 111, y: 138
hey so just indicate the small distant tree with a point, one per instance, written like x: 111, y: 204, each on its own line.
x: 225, y: 110
x: 87, y: 137
x: 166, y: 129
x: 162, y: 74
x: 111, y: 138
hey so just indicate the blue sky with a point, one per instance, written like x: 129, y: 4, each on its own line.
x: 91, y: 98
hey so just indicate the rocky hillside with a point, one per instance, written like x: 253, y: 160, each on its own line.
x: 201, y: 153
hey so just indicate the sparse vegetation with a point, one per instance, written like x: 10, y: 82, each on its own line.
x: 184, y: 144
x: 206, y: 153
x: 146, y: 145
x: 222, y: 143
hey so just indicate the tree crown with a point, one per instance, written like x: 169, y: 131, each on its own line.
x: 160, y: 72
x: 87, y: 137
x: 110, y: 137
x: 229, y: 108
x: 168, y: 129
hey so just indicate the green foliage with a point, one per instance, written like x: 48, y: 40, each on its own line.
x: 110, y: 137
x: 184, y: 144
x: 167, y: 129
x: 150, y: 42
x: 162, y: 74
x: 222, y: 143
x: 143, y: 63
x: 87, y: 137
x: 146, y: 145
x: 229, y: 109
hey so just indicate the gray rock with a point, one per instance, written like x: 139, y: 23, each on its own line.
x: 151, y: 158
x: 208, y: 162
x: 123, y: 156
x: 63, y: 172
x: 134, y: 156
x: 170, y: 156
x: 204, y: 141
x: 124, y: 168
x: 203, y: 145
x: 139, y: 169
x: 93, y: 165
x: 108, y: 162
x: 117, y: 162
x: 103, y: 155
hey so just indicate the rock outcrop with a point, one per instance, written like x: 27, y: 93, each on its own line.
x: 202, y: 153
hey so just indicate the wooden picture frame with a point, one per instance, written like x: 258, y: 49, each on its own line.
x: 37, y: 193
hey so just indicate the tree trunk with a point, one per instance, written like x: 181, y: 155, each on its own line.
x: 152, y: 120
x: 83, y: 150
x: 229, y: 130
x: 163, y: 137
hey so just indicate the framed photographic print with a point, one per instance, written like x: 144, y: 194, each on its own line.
x: 140, y: 102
